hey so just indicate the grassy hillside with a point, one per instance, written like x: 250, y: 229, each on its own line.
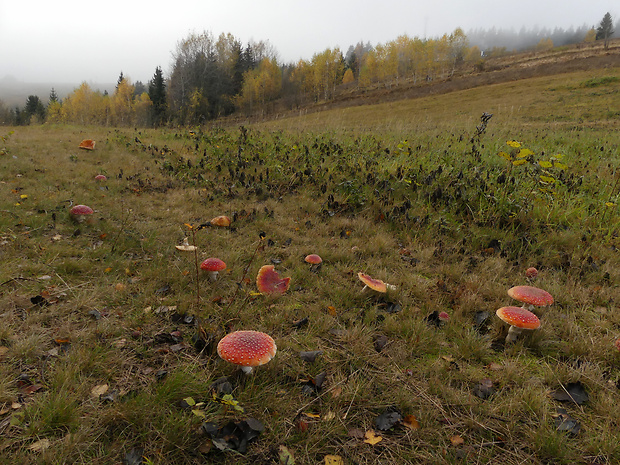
x: 108, y: 331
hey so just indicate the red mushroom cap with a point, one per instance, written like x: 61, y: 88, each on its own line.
x: 313, y: 259
x: 531, y: 295
x: 268, y: 281
x: 247, y: 348
x: 519, y: 317
x: 81, y: 210
x: 213, y: 264
x: 531, y: 273
x: 101, y: 177
x: 374, y: 284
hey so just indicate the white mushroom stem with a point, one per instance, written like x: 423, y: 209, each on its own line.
x: 364, y: 289
x: 390, y: 287
x: 513, y: 334
x: 213, y: 275
x: 246, y: 370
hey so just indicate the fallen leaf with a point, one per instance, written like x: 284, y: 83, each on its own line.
x: 457, y: 440
x: 134, y: 456
x: 40, y: 445
x: 99, y: 390
x: 310, y: 356
x: 572, y: 392
x: 336, y: 392
x: 484, y: 389
x: 372, y: 438
x: 411, y: 422
x: 331, y: 310
x: 333, y: 460
x: 564, y: 422
x: 388, y: 420
x: 286, y: 457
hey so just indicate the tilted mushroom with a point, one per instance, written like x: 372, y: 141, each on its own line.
x: 213, y: 266
x: 222, y: 221
x: 374, y: 284
x: 247, y: 349
x: 87, y: 144
x: 268, y: 281
x: 519, y: 319
x: 530, y: 296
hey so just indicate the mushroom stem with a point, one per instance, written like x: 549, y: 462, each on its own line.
x: 246, y: 370
x: 513, y: 334
x: 213, y: 275
x: 363, y: 289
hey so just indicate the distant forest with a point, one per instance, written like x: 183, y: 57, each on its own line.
x: 214, y: 77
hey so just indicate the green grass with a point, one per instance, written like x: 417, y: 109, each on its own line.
x: 396, y: 190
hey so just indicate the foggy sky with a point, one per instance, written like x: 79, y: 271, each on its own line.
x: 68, y: 41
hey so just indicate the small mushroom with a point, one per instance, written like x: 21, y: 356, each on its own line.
x: 519, y: 319
x: 531, y: 273
x: 79, y: 213
x: 87, y: 144
x: 530, y: 296
x: 222, y: 221
x: 374, y: 284
x: 213, y: 266
x: 268, y: 281
x: 101, y: 177
x: 247, y: 349
x: 315, y: 262
x: 185, y: 246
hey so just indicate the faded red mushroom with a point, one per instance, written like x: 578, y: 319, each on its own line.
x: 531, y: 273
x: 531, y: 296
x: 79, y: 213
x: 213, y: 266
x: 269, y: 282
x: 313, y: 259
x: 247, y: 349
x: 222, y: 221
x: 519, y: 319
x: 87, y: 144
x: 101, y: 177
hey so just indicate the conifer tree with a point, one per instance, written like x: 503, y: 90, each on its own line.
x: 157, y: 94
x: 605, y: 30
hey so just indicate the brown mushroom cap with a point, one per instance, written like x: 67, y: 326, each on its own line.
x: 531, y: 295
x: 222, y: 221
x: 213, y: 264
x: 374, y: 284
x: 87, y: 144
x: 247, y: 348
x: 519, y: 317
x: 268, y: 281
x: 313, y: 259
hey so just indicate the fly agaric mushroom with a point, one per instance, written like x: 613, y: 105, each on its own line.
x: 79, y: 213
x: 531, y: 296
x: 531, y: 273
x: 519, y: 319
x: 101, y: 177
x: 247, y: 349
x: 213, y: 266
x: 87, y: 144
x: 222, y: 221
x: 268, y: 281
x: 374, y: 284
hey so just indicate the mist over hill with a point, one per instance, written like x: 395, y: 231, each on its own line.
x: 14, y: 92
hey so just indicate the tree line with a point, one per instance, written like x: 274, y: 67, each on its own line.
x: 213, y: 77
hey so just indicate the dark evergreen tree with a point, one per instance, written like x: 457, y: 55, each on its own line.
x: 53, y: 96
x: 138, y: 89
x: 121, y: 78
x: 605, y: 29
x: 34, y: 108
x: 157, y: 94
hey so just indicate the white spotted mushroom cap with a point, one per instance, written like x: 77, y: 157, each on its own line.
x: 519, y: 317
x: 531, y: 295
x: 247, y: 349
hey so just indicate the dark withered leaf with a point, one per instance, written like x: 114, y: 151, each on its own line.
x: 39, y: 300
x: 433, y: 319
x: 310, y: 355
x: 572, y: 392
x: 95, y: 314
x: 301, y: 323
x: 481, y: 318
x: 564, y: 422
x: 134, y: 456
x: 164, y: 290
x: 388, y: 419
x: 380, y: 342
x: 484, y: 389
x: 320, y: 379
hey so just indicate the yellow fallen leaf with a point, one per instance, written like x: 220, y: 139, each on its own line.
x: 331, y: 310
x: 457, y: 440
x: 312, y: 415
x: 372, y: 438
x: 23, y: 196
x: 108, y: 269
x: 333, y: 460
x: 99, y: 390
x: 411, y: 422
x: 40, y: 445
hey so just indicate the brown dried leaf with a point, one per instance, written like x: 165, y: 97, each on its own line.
x: 411, y: 422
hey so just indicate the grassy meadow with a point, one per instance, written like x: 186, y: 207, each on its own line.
x: 108, y: 332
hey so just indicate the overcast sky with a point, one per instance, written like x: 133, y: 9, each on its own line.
x: 70, y: 41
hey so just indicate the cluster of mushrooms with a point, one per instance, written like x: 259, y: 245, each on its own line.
x: 524, y: 317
